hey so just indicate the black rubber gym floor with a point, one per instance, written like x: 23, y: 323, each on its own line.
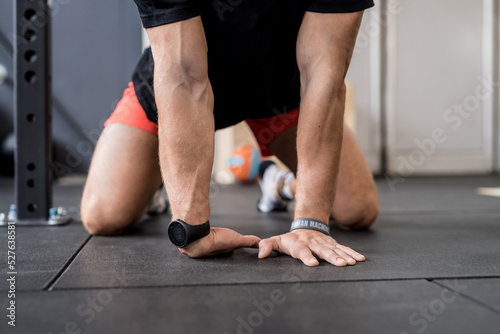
x: 433, y: 266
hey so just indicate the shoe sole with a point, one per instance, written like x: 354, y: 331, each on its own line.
x: 276, y: 209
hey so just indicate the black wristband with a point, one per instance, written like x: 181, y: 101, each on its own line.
x: 310, y: 224
x: 182, y: 234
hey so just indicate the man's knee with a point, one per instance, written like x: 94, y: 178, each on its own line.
x: 99, y: 220
x: 361, y: 216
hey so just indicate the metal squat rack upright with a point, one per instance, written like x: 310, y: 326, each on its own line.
x: 33, y: 117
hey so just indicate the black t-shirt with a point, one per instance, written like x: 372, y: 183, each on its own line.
x: 251, y: 56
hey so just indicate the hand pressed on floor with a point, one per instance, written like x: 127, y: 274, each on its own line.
x: 219, y: 241
x: 308, y: 246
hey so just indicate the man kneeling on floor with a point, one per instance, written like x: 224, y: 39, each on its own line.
x: 280, y: 66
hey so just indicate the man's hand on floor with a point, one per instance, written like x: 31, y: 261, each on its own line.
x: 219, y: 241
x: 307, y: 246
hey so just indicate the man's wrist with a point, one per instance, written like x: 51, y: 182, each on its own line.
x: 191, y: 220
x: 312, y: 214
x: 191, y: 215
x: 309, y: 205
x: 310, y: 224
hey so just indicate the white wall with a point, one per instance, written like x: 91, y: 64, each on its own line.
x: 439, y: 103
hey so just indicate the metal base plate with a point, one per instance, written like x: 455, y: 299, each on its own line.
x: 38, y: 222
x: 57, y: 217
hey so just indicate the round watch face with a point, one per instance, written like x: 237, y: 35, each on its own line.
x: 177, y: 234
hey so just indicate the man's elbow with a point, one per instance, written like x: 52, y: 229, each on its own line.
x: 322, y: 77
x: 324, y: 86
x: 190, y: 78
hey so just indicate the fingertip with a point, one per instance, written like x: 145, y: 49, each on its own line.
x: 341, y: 262
x: 359, y: 257
x: 254, y: 241
x: 264, y: 249
x: 250, y: 241
x: 311, y: 262
x: 264, y: 252
x: 351, y: 261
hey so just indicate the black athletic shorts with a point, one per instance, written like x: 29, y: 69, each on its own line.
x: 252, y: 63
x: 159, y: 12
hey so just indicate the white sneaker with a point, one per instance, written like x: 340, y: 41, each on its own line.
x: 159, y: 203
x: 270, y: 177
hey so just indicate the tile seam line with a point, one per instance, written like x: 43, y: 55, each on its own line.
x: 49, y: 286
x: 388, y: 213
x: 468, y: 297
x: 428, y: 279
x: 25, y: 291
x: 440, y: 212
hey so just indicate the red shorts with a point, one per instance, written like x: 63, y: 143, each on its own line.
x: 130, y: 112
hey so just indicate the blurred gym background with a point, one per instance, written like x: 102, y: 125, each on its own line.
x: 423, y: 92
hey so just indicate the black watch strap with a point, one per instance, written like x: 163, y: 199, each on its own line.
x: 310, y: 224
x: 182, y: 234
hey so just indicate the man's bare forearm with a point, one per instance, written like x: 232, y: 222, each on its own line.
x: 185, y: 103
x: 185, y: 100
x: 323, y: 62
x: 319, y: 142
x: 186, y: 146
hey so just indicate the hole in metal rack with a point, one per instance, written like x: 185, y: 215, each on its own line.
x: 31, y: 207
x: 30, y: 35
x: 30, y: 56
x: 31, y: 183
x: 30, y: 118
x: 30, y: 14
x: 31, y: 167
x: 30, y: 77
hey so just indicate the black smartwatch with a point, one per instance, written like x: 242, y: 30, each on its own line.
x: 182, y: 234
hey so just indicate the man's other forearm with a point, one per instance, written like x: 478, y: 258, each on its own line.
x: 324, y: 50
x: 319, y: 142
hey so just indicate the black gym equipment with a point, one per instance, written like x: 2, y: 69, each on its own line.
x: 33, y: 117
x: 7, y: 147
